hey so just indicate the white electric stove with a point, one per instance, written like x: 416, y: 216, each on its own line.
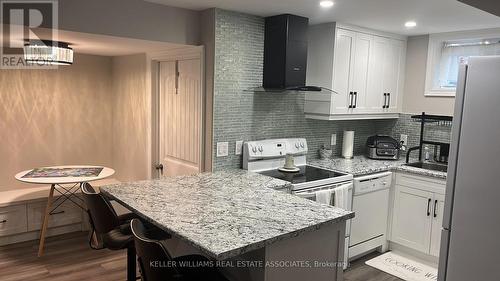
x: 266, y: 156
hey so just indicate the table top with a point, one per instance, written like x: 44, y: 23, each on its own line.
x: 227, y: 213
x: 64, y: 174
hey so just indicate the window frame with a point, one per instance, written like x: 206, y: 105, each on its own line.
x: 434, y: 56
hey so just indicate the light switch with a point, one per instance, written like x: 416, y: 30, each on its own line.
x: 222, y: 149
x: 333, y: 140
x: 238, y: 148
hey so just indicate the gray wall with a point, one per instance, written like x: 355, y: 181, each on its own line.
x: 241, y: 114
x: 414, y: 100
x: 131, y: 18
x: 406, y: 125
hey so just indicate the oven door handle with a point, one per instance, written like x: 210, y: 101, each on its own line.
x: 306, y: 195
x: 319, y: 188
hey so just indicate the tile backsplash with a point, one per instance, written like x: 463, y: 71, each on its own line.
x: 406, y: 125
x: 242, y: 114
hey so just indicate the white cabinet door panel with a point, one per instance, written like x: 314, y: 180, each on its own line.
x: 393, y: 72
x: 359, y: 84
x: 412, y: 218
x: 343, y: 70
x: 375, y: 99
x: 437, y: 222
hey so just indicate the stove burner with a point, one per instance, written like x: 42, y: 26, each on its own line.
x: 306, y: 174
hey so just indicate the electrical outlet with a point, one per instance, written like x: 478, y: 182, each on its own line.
x: 222, y: 149
x: 238, y: 148
x: 333, y: 140
x: 403, y: 139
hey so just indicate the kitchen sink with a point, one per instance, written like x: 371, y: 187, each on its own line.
x: 429, y: 166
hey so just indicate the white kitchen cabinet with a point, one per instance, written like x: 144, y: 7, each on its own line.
x: 418, y: 213
x: 437, y: 222
x: 343, y: 59
x: 386, y: 74
x: 411, y: 221
x: 367, y: 76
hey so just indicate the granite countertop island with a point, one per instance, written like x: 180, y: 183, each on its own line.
x: 225, y: 214
x: 362, y: 165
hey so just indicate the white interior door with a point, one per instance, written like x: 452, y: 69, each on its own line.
x: 180, y: 113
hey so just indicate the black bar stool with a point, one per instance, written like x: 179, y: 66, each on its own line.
x: 113, y: 229
x: 156, y: 263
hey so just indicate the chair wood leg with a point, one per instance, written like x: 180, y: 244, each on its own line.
x: 131, y: 264
x: 46, y: 217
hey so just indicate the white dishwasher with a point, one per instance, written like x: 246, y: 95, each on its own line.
x: 371, y: 206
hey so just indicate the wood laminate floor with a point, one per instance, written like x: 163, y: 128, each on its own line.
x: 69, y: 258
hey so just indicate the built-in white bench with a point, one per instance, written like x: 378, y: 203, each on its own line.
x: 22, y: 210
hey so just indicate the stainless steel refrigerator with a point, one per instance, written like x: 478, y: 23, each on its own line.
x: 470, y: 240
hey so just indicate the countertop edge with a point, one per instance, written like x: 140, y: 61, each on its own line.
x: 237, y: 251
x: 371, y: 166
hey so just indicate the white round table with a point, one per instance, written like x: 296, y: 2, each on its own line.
x: 57, y: 177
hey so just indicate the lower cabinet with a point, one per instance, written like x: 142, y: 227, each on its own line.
x: 418, y: 214
x: 13, y: 220
x: 22, y: 221
x: 437, y: 222
x: 67, y: 213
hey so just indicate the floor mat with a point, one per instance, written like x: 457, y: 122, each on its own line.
x: 403, y: 267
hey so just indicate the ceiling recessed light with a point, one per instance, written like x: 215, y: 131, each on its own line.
x: 326, y: 3
x: 410, y: 24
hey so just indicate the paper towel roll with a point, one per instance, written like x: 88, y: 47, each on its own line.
x: 348, y: 144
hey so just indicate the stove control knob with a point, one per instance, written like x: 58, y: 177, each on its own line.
x: 302, y: 144
x: 254, y: 149
x: 297, y: 145
x: 261, y: 148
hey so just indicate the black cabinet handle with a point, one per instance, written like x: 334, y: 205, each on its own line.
x: 435, y: 208
x: 388, y: 100
x: 429, y: 207
x: 350, y: 99
x: 355, y: 99
x: 3, y: 221
x: 385, y: 101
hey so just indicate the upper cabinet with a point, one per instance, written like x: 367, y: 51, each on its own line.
x: 365, y: 69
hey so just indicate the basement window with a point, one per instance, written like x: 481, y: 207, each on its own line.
x: 447, y: 53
